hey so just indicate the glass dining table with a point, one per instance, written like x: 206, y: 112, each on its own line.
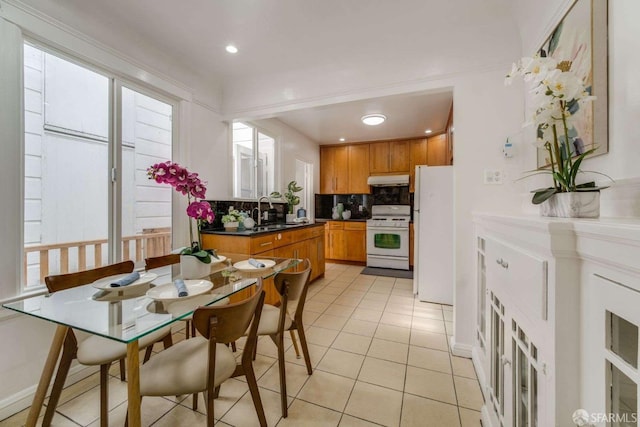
x: 127, y: 314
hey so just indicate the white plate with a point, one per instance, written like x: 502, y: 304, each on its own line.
x: 105, y: 283
x: 168, y: 292
x: 245, y: 266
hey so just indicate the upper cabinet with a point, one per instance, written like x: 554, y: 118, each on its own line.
x: 438, y: 150
x: 418, y: 157
x: 344, y: 169
x: 389, y: 157
x: 359, y: 168
x: 334, y: 169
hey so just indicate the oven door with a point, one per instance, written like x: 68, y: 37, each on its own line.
x: 388, y: 241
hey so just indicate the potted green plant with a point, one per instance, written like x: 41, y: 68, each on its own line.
x: 291, y: 198
x: 558, y: 93
x: 231, y: 220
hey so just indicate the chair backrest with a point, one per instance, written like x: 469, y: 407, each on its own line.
x: 71, y: 280
x: 161, y: 261
x: 292, y: 287
x: 227, y: 323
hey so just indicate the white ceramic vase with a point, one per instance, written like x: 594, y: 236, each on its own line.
x: 579, y: 204
x: 192, y: 268
x: 290, y: 218
x: 231, y: 226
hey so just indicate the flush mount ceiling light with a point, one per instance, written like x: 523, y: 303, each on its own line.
x: 373, y: 119
x: 231, y: 49
x: 342, y: 139
x: 428, y: 131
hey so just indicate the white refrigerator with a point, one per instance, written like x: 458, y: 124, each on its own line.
x: 433, y: 234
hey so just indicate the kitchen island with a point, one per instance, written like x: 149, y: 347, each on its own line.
x: 275, y: 240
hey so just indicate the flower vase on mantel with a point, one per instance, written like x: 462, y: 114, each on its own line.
x: 574, y: 204
x: 192, y: 268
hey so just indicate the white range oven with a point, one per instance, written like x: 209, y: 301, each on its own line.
x: 388, y: 236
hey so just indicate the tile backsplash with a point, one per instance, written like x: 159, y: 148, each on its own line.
x: 221, y: 207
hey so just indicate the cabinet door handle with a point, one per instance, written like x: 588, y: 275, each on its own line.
x: 266, y: 244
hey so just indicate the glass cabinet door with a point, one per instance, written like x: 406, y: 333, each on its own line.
x: 524, y: 356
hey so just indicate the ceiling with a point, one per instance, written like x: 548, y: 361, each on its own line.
x: 407, y: 115
x: 299, y: 50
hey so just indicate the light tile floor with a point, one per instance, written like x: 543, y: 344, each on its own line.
x: 380, y: 357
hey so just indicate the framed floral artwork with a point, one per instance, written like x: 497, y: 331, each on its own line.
x: 581, y: 38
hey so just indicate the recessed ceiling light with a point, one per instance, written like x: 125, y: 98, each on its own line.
x: 428, y: 131
x: 341, y: 139
x: 373, y: 119
x: 231, y: 49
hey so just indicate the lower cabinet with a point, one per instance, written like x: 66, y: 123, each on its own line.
x: 557, y: 323
x: 305, y: 242
x: 346, y: 241
x: 521, y: 363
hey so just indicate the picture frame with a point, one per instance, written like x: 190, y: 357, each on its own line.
x: 582, y: 37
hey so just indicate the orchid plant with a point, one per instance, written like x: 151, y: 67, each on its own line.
x: 558, y: 93
x: 194, y: 188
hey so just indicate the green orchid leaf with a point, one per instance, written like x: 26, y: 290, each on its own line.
x: 541, y: 196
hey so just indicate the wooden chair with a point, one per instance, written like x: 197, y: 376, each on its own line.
x: 203, y: 363
x: 276, y: 321
x: 94, y: 350
x: 190, y: 330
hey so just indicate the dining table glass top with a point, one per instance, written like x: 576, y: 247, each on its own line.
x: 126, y: 314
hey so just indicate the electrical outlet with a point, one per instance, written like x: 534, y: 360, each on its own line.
x: 493, y: 176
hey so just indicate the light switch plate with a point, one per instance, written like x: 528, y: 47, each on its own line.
x: 493, y: 176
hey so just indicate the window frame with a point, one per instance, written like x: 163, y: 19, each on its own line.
x: 114, y: 141
x: 256, y: 129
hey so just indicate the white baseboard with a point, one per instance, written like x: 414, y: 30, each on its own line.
x: 459, y: 349
x: 23, y: 399
x: 485, y: 417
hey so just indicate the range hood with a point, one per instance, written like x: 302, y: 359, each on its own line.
x: 388, y: 180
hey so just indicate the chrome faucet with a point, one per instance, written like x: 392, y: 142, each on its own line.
x: 260, y: 213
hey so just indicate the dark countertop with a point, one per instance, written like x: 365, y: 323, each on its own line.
x: 264, y: 229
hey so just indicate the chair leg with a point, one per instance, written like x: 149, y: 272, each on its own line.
x: 233, y: 346
x: 147, y: 354
x: 283, y: 379
x: 194, y: 403
x: 123, y: 375
x: 255, y: 393
x: 104, y: 395
x: 193, y: 329
x: 305, y: 348
x: 295, y: 343
x: 68, y: 354
x: 167, y: 341
x: 209, y: 401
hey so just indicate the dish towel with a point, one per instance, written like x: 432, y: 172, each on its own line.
x: 126, y: 280
x: 256, y: 264
x: 181, y: 287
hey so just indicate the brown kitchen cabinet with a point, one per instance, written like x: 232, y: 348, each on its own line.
x: 302, y: 242
x: 411, y: 243
x: 418, y: 157
x: 346, y: 241
x: 334, y: 169
x: 389, y: 157
x: 358, y: 169
x: 344, y: 169
x: 438, y: 150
